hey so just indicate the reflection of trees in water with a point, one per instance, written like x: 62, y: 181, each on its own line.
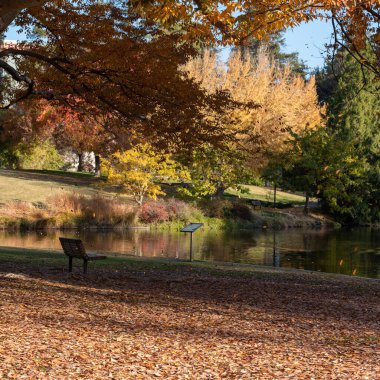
x: 354, y: 251
x: 344, y: 251
x: 160, y: 244
x: 229, y: 246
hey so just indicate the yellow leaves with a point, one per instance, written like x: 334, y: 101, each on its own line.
x: 277, y: 101
x: 139, y: 170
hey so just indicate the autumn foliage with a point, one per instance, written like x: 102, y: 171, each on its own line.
x: 174, y: 321
x: 279, y: 102
x: 123, y: 57
x: 139, y: 171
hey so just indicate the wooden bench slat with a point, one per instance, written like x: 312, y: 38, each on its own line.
x: 94, y: 256
x: 75, y: 248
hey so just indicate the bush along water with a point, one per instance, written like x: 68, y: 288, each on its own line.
x: 78, y: 211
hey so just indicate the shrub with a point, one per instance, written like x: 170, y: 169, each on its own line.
x: 42, y: 156
x: 8, y: 157
x: 18, y: 208
x: 17, y: 214
x: 181, y: 211
x: 168, y: 210
x: 240, y: 211
x: 92, y: 210
x: 154, y: 212
x: 216, y: 208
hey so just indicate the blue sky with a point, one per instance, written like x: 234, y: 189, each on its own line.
x: 307, y: 39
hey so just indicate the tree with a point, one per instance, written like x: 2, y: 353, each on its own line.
x: 324, y: 166
x: 278, y: 102
x: 354, y: 116
x: 122, y: 57
x: 273, y: 45
x: 357, y: 27
x: 123, y: 67
x: 21, y: 129
x: 139, y: 170
x: 80, y: 132
x: 212, y: 171
x: 42, y: 155
x: 219, y: 21
x: 32, y: 122
x: 340, y: 163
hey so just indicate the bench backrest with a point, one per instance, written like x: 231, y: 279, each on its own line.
x: 73, y: 247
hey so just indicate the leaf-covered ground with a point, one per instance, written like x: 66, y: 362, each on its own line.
x: 187, y: 324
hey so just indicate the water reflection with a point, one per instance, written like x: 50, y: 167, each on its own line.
x: 354, y: 252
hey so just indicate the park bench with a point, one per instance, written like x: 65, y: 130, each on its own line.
x: 74, y: 248
x: 256, y: 203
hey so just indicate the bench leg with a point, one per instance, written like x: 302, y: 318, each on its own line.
x: 85, y: 266
x: 70, y: 264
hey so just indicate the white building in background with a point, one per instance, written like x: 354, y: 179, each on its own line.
x: 7, y: 44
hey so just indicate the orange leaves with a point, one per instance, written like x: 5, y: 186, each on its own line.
x: 129, y: 325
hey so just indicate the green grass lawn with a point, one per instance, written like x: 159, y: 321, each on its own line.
x: 70, y: 174
x: 37, y: 185
x: 42, y: 260
x: 266, y: 194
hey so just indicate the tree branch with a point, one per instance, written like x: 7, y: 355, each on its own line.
x: 10, y: 8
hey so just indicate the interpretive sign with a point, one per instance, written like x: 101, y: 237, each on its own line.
x: 191, y: 228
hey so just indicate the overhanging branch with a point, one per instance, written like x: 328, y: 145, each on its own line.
x: 10, y: 8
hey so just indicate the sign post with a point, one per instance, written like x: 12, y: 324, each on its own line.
x: 191, y: 228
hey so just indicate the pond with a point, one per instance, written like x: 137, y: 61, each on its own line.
x: 346, y: 251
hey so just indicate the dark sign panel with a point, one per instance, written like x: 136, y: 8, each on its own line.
x: 192, y: 227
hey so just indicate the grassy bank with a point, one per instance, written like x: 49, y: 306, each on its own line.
x: 266, y: 194
x: 144, y: 319
x: 36, y: 186
x: 44, y: 261
x: 41, y: 200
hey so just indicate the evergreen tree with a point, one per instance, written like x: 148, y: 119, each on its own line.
x: 354, y: 119
x: 340, y: 163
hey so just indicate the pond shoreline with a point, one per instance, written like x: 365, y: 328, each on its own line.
x: 46, y: 259
x: 259, y: 219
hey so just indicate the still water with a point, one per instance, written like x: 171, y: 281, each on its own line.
x: 353, y: 252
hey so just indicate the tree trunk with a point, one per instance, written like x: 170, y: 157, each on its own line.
x: 80, y: 162
x: 306, y: 208
x: 219, y: 192
x: 97, y: 165
x: 275, y: 196
x: 139, y: 200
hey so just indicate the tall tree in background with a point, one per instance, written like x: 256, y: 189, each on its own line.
x: 279, y: 102
x: 340, y: 163
x: 274, y: 45
x: 354, y: 116
x: 330, y: 169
